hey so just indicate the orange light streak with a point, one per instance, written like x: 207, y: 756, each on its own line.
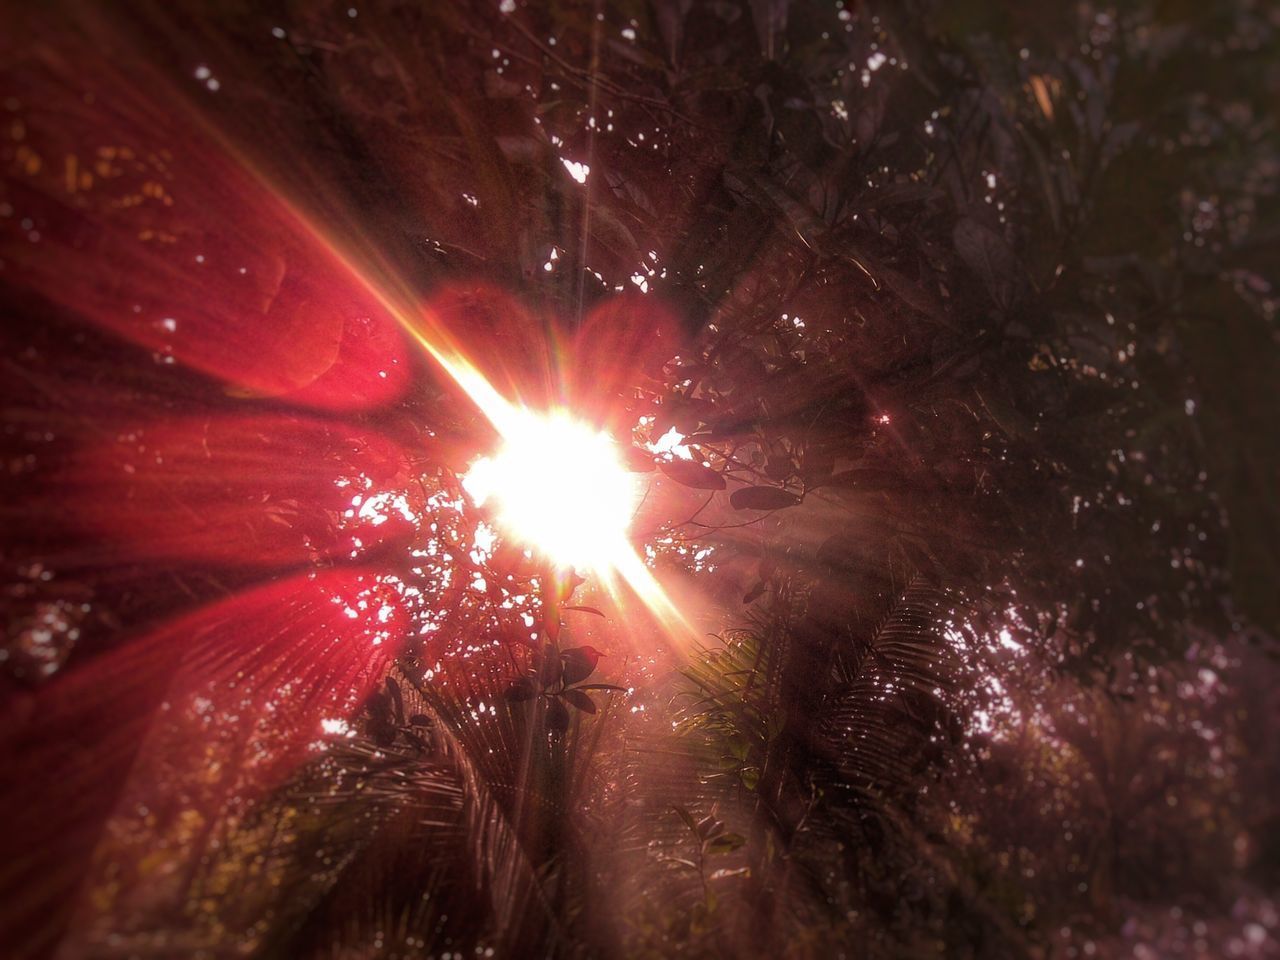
x: 508, y: 419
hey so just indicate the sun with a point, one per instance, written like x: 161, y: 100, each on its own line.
x: 558, y: 486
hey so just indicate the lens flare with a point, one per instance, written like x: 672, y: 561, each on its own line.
x: 558, y: 486
x: 613, y: 558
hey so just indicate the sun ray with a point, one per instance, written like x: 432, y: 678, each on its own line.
x: 569, y: 443
x: 369, y: 270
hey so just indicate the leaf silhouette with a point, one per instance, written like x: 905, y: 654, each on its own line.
x: 692, y: 474
x: 557, y: 715
x: 581, y: 609
x: 987, y: 254
x: 580, y: 700
x: 579, y: 663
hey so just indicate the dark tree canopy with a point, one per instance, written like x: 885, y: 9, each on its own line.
x: 964, y: 318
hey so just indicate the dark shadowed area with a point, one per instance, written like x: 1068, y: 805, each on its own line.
x: 938, y: 342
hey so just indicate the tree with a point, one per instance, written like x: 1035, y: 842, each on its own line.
x: 965, y: 318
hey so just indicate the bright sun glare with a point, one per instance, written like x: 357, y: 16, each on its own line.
x: 557, y: 486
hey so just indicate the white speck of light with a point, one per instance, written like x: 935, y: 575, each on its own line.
x: 579, y: 171
x: 507, y: 6
x: 670, y: 442
x: 1007, y: 641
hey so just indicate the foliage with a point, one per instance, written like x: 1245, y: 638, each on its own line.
x: 967, y: 320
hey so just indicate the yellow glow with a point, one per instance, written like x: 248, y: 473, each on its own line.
x: 379, y: 279
x: 557, y: 485
x: 526, y: 514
